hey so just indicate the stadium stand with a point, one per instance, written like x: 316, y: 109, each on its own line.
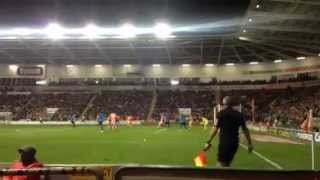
x: 124, y: 103
x: 34, y: 106
x: 201, y: 102
x: 279, y: 107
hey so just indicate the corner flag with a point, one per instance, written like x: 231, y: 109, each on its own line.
x: 201, y: 159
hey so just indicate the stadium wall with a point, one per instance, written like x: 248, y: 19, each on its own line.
x: 262, y: 71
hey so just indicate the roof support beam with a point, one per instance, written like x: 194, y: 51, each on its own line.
x: 102, y: 53
x: 274, y: 38
x: 133, y: 50
x: 283, y: 29
x: 10, y: 56
x: 70, y: 53
x: 298, y: 2
x: 221, y: 50
x: 299, y: 45
x: 168, y: 53
x: 201, y: 51
x: 293, y: 49
x: 255, y: 54
x: 49, y: 59
x: 237, y: 54
x: 281, y: 55
x: 272, y: 16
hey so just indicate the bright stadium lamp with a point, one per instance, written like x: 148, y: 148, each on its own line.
x: 54, y: 31
x: 174, y: 82
x: 278, y: 61
x: 91, y: 31
x: 156, y: 65
x: 128, y: 31
x: 13, y: 67
x: 243, y: 38
x: 41, y: 82
x: 301, y: 58
x: 98, y: 65
x: 230, y: 64
x: 69, y: 66
x: 209, y: 65
x: 254, y: 63
x: 22, y: 31
x: 162, y: 30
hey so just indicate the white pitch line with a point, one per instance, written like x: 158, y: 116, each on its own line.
x: 274, y: 164
x: 159, y: 131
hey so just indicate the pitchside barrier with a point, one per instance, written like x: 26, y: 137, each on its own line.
x: 159, y: 173
x: 294, y: 134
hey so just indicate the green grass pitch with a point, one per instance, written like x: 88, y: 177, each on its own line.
x: 146, y: 145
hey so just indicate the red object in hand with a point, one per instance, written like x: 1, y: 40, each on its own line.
x: 201, y: 159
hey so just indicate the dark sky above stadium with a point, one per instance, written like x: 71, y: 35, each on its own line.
x: 73, y: 13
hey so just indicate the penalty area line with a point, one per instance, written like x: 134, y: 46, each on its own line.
x: 274, y: 164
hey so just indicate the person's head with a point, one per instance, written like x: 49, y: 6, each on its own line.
x: 230, y: 101
x: 27, y: 154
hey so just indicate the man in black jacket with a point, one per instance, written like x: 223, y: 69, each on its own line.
x: 229, y: 122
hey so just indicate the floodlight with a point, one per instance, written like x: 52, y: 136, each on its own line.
x: 13, y: 67
x: 91, y: 31
x: 54, y: 31
x: 21, y: 31
x: 301, y: 58
x: 278, y: 61
x: 162, y: 30
x: 128, y: 31
x: 174, y: 82
x: 41, y: 82
x: 69, y: 66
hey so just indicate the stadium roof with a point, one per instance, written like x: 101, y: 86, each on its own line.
x: 262, y: 31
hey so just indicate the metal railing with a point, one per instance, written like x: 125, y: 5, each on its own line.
x: 89, y: 171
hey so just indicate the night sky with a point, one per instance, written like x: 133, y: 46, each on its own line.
x: 75, y: 13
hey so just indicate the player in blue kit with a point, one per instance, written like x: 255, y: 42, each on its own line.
x: 101, y: 118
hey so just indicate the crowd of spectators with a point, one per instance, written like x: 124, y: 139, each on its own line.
x: 200, y: 102
x: 124, y: 103
x: 285, y: 108
x: 280, y: 108
x: 34, y: 106
x: 290, y: 107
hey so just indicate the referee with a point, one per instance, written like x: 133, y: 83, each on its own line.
x: 229, y: 122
